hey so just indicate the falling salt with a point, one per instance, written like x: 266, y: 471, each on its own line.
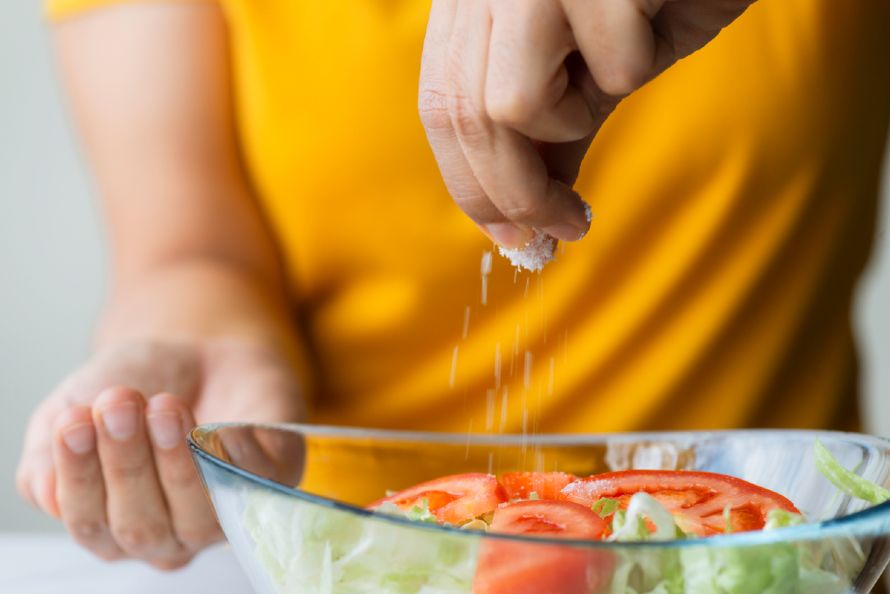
x: 453, y: 376
x: 497, y: 366
x: 489, y: 409
x: 504, y: 400
x: 486, y: 270
x: 527, y: 378
x: 466, y: 329
x: 543, y: 310
x: 525, y: 294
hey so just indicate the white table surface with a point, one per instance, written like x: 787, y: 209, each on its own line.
x: 53, y: 564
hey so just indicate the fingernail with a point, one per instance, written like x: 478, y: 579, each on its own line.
x: 166, y: 430
x: 80, y: 439
x: 120, y: 421
x: 510, y: 235
x: 572, y: 231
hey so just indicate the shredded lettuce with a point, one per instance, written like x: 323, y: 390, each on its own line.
x: 605, y: 507
x: 780, y: 518
x: 631, y: 524
x: 846, y: 480
x: 309, y: 549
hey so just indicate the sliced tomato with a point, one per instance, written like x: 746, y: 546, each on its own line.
x: 546, y: 485
x: 696, y: 499
x: 453, y: 499
x: 525, y: 568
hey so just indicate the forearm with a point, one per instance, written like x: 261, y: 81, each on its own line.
x: 201, y: 297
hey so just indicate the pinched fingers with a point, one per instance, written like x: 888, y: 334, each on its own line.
x: 436, y: 103
x: 506, y: 164
x: 494, y: 172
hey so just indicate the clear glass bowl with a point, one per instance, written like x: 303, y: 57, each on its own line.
x: 290, y: 499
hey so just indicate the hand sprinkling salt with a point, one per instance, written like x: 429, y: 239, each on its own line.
x: 539, y: 251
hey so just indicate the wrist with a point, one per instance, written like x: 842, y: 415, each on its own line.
x: 196, y: 298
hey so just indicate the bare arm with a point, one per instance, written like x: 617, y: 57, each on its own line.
x: 197, y: 325
x: 150, y: 91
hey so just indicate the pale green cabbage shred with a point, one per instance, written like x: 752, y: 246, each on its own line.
x: 310, y: 549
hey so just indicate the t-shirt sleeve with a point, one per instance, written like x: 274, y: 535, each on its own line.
x: 61, y: 9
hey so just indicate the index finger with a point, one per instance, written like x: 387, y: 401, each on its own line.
x: 434, y: 101
x: 507, y: 165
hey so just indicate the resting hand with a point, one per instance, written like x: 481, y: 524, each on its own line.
x: 106, y: 451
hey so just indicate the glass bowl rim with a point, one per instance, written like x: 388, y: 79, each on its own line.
x: 843, y: 526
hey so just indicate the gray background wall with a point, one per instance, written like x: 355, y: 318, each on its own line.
x: 52, y: 261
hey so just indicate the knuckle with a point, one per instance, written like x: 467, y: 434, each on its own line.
x: 125, y: 470
x: 140, y: 537
x: 621, y: 79
x: 195, y: 539
x: 86, y: 530
x: 433, y: 108
x: 524, y: 212
x: 511, y: 107
x: 465, y: 118
x: 107, y: 555
x: 171, y: 564
x: 179, y: 477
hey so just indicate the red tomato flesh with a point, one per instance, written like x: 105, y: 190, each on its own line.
x: 452, y: 499
x: 546, y: 485
x: 696, y: 499
x: 525, y: 568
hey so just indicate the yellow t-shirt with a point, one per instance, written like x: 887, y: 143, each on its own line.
x: 734, y: 202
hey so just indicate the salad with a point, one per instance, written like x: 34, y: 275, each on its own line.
x: 309, y: 550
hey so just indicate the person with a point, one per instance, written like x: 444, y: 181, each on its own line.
x: 284, y: 248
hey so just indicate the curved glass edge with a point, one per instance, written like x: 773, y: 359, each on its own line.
x: 835, y: 527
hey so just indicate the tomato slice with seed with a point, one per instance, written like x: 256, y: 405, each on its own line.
x: 526, y: 568
x: 696, y: 499
x: 452, y: 499
x: 546, y: 485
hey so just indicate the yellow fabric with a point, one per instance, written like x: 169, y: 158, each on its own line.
x: 734, y: 200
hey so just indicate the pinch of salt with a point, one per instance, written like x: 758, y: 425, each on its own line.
x: 534, y: 255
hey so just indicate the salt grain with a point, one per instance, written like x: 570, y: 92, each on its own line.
x: 453, y: 376
x: 534, y: 255
x: 489, y: 409
x: 505, y: 399
x: 497, y: 366
x: 527, y: 379
x: 486, y: 270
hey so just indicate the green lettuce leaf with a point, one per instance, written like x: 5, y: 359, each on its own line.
x: 846, y: 480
